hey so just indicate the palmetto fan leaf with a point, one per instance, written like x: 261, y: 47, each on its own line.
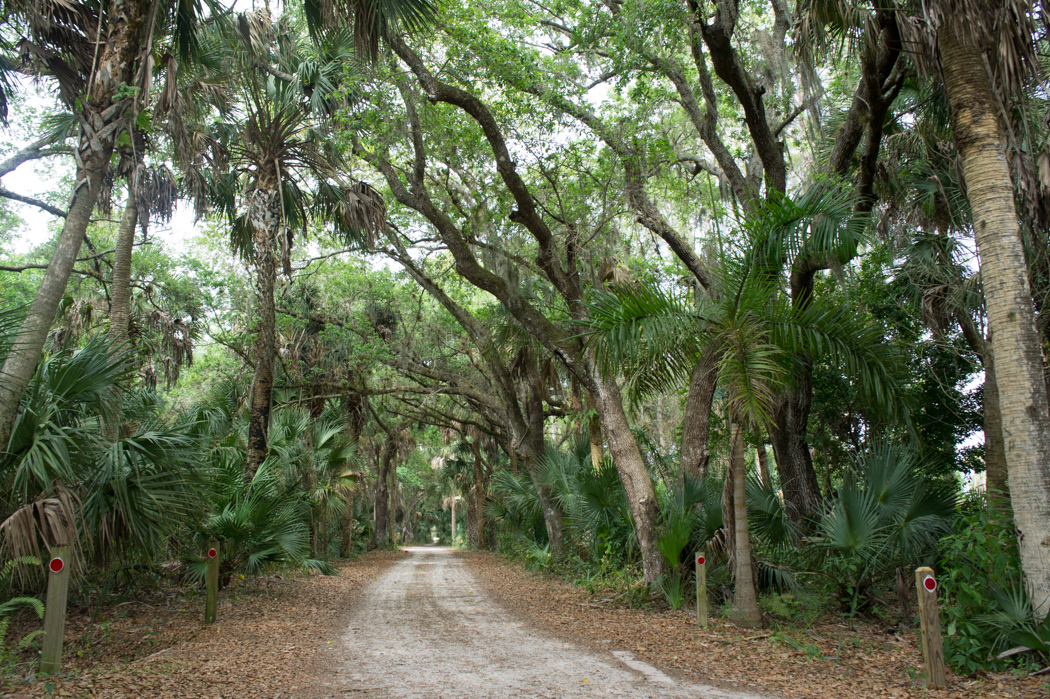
x: 141, y: 486
x: 371, y: 19
x: 884, y: 516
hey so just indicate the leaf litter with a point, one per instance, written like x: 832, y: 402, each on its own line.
x: 271, y: 640
x: 827, y: 659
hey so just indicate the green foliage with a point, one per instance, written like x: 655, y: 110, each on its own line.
x: 798, y: 607
x: 979, y: 567
x: 538, y: 557
x: 94, y: 451
x: 255, y: 523
x: 810, y: 650
x: 672, y: 584
x: 884, y: 516
x: 592, y: 500
x: 13, y: 604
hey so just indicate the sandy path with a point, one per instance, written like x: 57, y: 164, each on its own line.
x: 424, y: 629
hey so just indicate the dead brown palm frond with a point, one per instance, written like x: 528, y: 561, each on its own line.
x: 77, y: 318
x: 156, y: 192
x: 935, y: 308
x: 176, y: 340
x: 58, y: 39
x: 613, y: 272
x: 49, y: 520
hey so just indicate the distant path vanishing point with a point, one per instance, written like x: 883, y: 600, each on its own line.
x: 426, y: 630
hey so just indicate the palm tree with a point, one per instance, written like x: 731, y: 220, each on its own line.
x: 94, y: 57
x: 655, y: 338
x: 274, y: 171
x: 72, y: 480
x: 93, y: 63
x: 971, y: 36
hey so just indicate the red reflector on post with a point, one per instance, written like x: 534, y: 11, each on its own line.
x: 212, y: 553
x: 929, y: 583
x: 56, y: 565
x: 700, y: 560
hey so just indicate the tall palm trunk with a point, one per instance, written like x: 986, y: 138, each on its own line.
x: 641, y: 496
x: 453, y: 520
x: 763, y: 465
x: 994, y: 451
x: 594, y: 435
x: 264, y: 215
x: 29, y: 343
x: 745, y: 599
x: 1018, y: 362
x: 120, y: 287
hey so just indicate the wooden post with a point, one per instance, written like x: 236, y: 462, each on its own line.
x: 932, y: 650
x: 701, y: 589
x: 55, y: 611
x: 211, y: 583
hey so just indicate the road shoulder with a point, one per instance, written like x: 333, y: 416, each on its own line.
x: 825, y: 660
x: 271, y: 640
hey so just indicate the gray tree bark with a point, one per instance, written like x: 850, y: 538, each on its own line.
x: 120, y: 287
x: 745, y: 597
x: 265, y: 219
x: 1018, y: 365
x: 696, y: 420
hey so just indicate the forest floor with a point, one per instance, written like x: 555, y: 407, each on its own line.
x: 269, y: 641
x: 429, y: 623
x: 825, y: 660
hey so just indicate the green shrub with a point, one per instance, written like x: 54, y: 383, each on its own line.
x: 798, y: 606
x: 977, y: 561
x: 13, y: 604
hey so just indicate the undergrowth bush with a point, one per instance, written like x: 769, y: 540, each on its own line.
x: 978, y: 562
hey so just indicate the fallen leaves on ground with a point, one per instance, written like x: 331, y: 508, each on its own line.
x: 270, y: 640
x: 826, y: 660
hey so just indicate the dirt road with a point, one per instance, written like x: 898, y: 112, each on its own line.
x: 424, y: 629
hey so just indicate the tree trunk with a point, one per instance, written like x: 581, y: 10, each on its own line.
x: 265, y: 219
x: 117, y: 62
x: 745, y: 599
x: 1018, y: 362
x: 348, y: 530
x: 381, y: 535
x: 763, y: 465
x: 696, y: 421
x: 798, y: 478
x: 533, y: 447
x: 476, y: 504
x: 728, y: 512
x: 641, y: 497
x: 473, y: 520
x: 994, y: 454
x: 594, y: 433
x: 29, y: 343
x: 120, y: 288
x: 392, y: 510
x: 453, y: 520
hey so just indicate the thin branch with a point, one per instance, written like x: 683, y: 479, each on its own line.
x: 53, y: 210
